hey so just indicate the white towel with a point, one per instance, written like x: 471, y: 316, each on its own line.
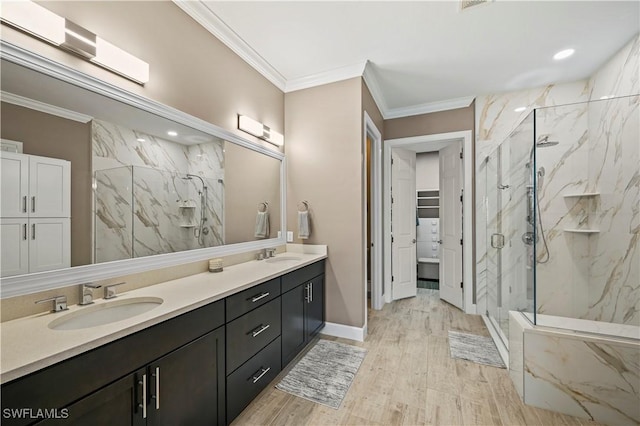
x: 262, y: 225
x: 304, y: 229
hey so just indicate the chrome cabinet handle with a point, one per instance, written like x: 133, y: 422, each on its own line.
x: 24, y: 204
x: 262, y: 296
x: 143, y: 405
x: 33, y: 231
x: 310, y: 292
x: 263, y: 371
x: 259, y: 330
x: 157, y: 394
x: 33, y: 204
x: 24, y: 231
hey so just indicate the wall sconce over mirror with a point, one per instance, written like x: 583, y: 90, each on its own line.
x: 259, y: 130
x: 40, y: 22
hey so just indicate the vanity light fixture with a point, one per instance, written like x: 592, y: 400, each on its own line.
x: 520, y: 109
x: 46, y: 25
x: 564, y: 54
x: 259, y: 130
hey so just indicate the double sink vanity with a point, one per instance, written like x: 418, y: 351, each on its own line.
x: 195, y: 350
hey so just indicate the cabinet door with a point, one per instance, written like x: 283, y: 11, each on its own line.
x: 49, y: 244
x: 119, y: 403
x: 14, y: 184
x: 314, y: 315
x: 293, y: 335
x: 49, y: 187
x: 186, y: 387
x: 14, y: 251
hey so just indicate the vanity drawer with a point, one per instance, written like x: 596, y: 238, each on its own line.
x: 246, y: 382
x: 252, y: 332
x: 249, y: 299
x: 295, y: 278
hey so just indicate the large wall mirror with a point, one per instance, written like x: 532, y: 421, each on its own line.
x: 148, y: 187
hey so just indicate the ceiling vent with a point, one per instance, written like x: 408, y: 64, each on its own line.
x: 466, y: 4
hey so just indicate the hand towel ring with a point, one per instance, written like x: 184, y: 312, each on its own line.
x: 263, y: 206
x: 303, y: 206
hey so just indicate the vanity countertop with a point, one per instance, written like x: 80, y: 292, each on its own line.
x: 28, y: 344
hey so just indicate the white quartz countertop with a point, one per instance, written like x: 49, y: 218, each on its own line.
x: 28, y: 344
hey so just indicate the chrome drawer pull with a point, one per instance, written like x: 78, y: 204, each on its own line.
x: 144, y: 396
x: 259, y: 330
x: 262, y: 296
x: 24, y: 204
x: 157, y: 395
x: 33, y: 204
x: 262, y: 373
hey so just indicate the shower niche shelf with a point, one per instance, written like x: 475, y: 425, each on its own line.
x: 582, y: 231
x: 583, y: 194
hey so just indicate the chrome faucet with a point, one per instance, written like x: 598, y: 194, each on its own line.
x: 270, y: 252
x: 86, y: 293
x: 59, y: 303
x: 110, y: 291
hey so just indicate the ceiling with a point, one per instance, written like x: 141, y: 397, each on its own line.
x: 421, y: 56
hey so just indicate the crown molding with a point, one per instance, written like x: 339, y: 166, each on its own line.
x: 18, y: 100
x: 374, y: 88
x: 326, y: 77
x: 428, y: 107
x: 212, y: 23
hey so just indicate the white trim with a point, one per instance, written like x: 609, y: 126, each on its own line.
x: 32, y: 283
x: 345, y: 331
x: 211, y: 22
x: 18, y: 100
x: 204, y: 16
x: 428, y: 107
x: 466, y: 136
x: 25, y: 58
x: 369, y: 128
x: 326, y: 77
x: 373, y: 84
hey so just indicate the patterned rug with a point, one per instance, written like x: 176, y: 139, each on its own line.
x: 479, y: 349
x: 325, y: 373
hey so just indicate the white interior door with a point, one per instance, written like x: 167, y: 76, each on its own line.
x: 451, y: 225
x: 403, y: 223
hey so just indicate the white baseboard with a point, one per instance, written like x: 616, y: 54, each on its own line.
x: 344, y: 331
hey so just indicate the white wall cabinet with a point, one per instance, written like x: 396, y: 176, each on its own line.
x: 34, y: 186
x: 35, y: 223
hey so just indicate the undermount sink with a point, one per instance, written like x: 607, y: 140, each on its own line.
x: 105, y: 313
x: 280, y: 259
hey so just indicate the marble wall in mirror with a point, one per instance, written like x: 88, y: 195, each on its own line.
x: 141, y: 185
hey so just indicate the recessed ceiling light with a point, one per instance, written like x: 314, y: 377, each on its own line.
x: 563, y: 54
x: 606, y: 97
x: 141, y: 139
x: 520, y: 109
x: 172, y: 133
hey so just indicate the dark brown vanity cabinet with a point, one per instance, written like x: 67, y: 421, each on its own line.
x: 302, y: 308
x: 253, y: 343
x: 170, y: 373
x: 202, y: 367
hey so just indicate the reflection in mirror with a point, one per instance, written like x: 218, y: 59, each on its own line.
x: 140, y: 184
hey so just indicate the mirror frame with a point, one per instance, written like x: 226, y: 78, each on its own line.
x: 41, y: 281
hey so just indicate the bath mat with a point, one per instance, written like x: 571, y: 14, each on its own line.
x: 479, y: 349
x: 325, y: 373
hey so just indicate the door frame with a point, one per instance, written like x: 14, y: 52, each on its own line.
x: 466, y: 137
x: 377, y: 294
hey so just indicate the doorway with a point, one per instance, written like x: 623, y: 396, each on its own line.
x: 459, y: 290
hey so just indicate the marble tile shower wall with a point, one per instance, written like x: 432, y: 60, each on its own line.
x: 496, y: 119
x: 143, y: 203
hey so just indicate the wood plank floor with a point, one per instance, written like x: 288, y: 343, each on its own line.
x: 408, y: 378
